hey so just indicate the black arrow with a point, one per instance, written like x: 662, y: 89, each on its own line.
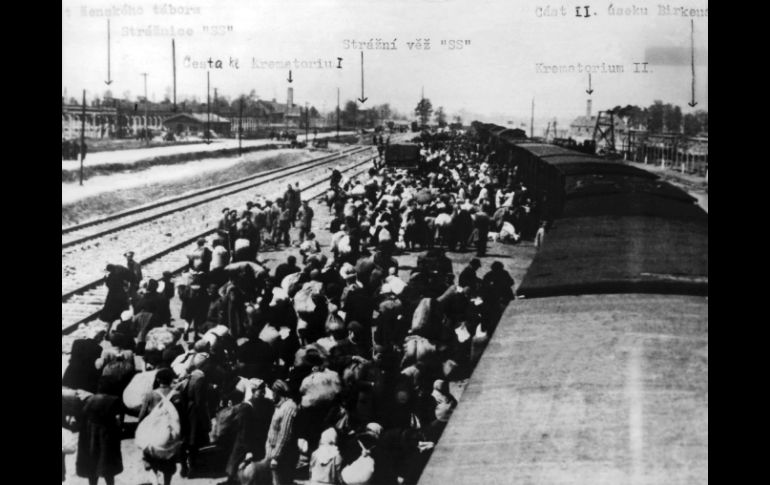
x: 589, y: 90
x: 362, y: 99
x: 290, y: 79
x: 108, y: 81
x: 692, y: 61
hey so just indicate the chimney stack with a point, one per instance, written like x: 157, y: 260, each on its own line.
x: 290, y: 98
x: 588, y: 108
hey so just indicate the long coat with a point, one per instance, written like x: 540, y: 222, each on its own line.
x: 234, y: 311
x: 195, y: 306
x: 462, y: 226
x: 99, y: 438
x: 81, y: 372
x: 196, y: 403
x: 117, y: 297
x: 243, y: 424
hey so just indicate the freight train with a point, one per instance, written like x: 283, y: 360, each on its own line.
x: 598, y: 372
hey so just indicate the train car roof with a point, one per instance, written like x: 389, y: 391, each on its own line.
x: 546, y: 150
x: 585, y: 389
x: 571, y: 162
x: 634, y: 204
x: 628, y: 254
x: 582, y: 185
x: 577, y: 166
x: 512, y: 134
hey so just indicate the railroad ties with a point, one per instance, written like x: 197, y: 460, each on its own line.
x: 84, y: 296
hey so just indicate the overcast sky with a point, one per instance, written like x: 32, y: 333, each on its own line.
x: 495, y: 74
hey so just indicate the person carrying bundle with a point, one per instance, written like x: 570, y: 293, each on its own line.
x: 161, y: 461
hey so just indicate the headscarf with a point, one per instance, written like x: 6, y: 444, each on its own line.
x: 327, y: 448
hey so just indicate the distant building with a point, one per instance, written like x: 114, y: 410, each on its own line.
x: 112, y: 118
x: 582, y: 127
x: 117, y: 118
x: 270, y: 115
x: 195, y: 124
x: 100, y: 121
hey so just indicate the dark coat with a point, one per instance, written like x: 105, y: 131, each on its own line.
x: 234, y: 312
x: 197, y: 416
x: 168, y: 290
x: 99, y: 438
x: 291, y: 198
x: 255, y: 359
x: 260, y: 219
x: 195, y: 305
x: 263, y: 415
x: 462, y: 226
x: 468, y: 278
x: 358, y: 306
x: 136, y: 274
x: 305, y: 216
x: 499, y: 285
x: 117, y: 297
x: 240, y: 430
x: 81, y: 372
x: 156, y: 304
x: 283, y: 270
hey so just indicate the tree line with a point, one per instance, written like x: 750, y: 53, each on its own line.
x: 222, y: 105
x: 664, y: 118
x: 424, y: 109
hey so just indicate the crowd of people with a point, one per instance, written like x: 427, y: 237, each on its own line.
x: 333, y: 369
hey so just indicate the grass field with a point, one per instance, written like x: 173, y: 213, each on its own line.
x: 88, y: 172
x: 122, y: 199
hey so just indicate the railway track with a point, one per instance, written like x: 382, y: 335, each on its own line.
x: 82, y: 262
x: 83, y: 304
x: 97, y: 228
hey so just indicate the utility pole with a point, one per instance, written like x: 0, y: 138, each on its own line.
x: 208, y: 107
x: 173, y: 64
x: 307, y: 121
x: 240, y: 127
x: 532, y: 120
x: 83, y: 137
x: 146, y: 135
x: 338, y: 114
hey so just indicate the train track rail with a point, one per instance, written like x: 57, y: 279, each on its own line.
x: 104, y: 226
x: 83, y: 304
x: 82, y: 262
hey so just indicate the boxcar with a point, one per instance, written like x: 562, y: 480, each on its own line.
x: 404, y: 155
x: 598, y: 373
